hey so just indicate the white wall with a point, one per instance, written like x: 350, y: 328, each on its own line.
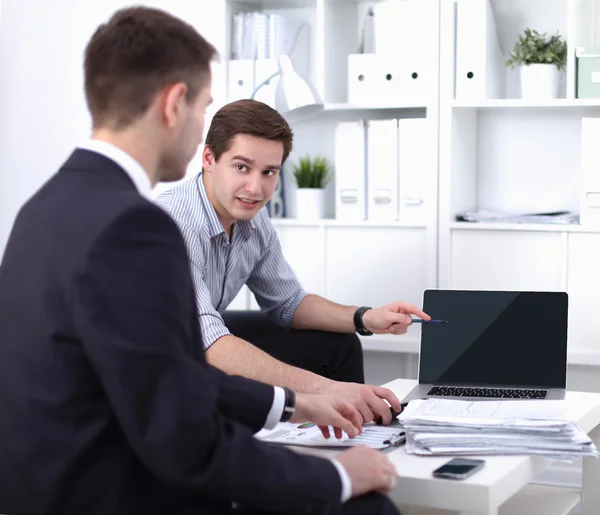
x: 42, y: 107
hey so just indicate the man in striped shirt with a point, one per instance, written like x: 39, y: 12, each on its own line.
x: 298, y: 340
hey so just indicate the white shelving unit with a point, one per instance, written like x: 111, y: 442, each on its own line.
x: 517, y: 156
x: 504, y: 154
x: 367, y: 262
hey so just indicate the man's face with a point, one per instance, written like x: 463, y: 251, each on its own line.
x: 187, y: 135
x: 242, y: 181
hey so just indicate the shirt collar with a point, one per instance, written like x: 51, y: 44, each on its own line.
x: 213, y: 227
x: 135, y: 171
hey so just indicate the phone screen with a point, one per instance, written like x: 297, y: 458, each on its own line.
x: 459, y: 468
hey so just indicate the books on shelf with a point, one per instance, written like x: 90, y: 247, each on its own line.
x: 521, y: 427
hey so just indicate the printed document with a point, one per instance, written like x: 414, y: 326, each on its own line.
x: 309, y: 435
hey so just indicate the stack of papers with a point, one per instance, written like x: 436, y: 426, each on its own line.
x: 556, y: 217
x: 523, y: 427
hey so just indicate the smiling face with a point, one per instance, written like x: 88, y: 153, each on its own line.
x: 242, y: 181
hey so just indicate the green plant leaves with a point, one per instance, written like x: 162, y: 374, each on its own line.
x: 312, y: 173
x: 534, y: 48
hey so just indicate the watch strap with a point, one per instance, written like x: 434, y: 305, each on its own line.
x: 289, y: 406
x: 358, y: 321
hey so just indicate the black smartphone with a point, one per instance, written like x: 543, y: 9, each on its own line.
x: 458, y: 468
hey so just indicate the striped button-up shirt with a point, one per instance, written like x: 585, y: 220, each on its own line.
x: 221, y: 267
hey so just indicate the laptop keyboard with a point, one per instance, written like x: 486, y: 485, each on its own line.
x: 506, y: 393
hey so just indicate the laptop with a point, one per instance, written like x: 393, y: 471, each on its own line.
x: 493, y: 345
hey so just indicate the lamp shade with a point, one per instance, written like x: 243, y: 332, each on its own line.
x: 295, y: 97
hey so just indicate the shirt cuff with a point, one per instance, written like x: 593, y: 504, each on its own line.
x: 345, y: 479
x: 212, y: 328
x: 288, y: 313
x: 276, y: 412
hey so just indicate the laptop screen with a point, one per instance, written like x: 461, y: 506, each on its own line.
x: 495, y: 338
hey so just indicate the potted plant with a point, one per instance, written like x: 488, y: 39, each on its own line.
x: 540, y: 59
x: 311, y: 177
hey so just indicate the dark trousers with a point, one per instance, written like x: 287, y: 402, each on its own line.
x: 368, y: 504
x: 337, y: 356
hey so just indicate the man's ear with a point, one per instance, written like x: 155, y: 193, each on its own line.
x: 208, y: 159
x: 173, y: 99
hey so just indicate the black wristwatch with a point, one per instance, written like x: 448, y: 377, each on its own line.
x: 358, y: 321
x: 289, y: 406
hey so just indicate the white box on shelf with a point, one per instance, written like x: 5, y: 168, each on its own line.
x: 387, y: 81
x: 415, y: 169
x: 361, y: 79
x: 382, y: 170
x: 406, y: 37
x: 590, y: 176
x: 240, y: 79
x: 350, y: 173
x: 480, y: 71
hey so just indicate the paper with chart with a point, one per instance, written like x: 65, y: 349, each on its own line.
x: 309, y: 435
x: 524, y: 427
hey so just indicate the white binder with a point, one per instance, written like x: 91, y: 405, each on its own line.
x: 382, y: 170
x: 350, y: 174
x: 415, y: 170
x: 480, y: 70
x: 590, y: 176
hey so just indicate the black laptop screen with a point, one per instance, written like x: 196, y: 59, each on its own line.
x: 497, y: 338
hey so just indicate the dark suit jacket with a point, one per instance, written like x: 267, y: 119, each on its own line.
x: 107, y: 405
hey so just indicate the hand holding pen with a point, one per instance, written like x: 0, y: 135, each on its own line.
x: 392, y: 318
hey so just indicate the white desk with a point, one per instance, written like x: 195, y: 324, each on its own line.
x: 501, y: 487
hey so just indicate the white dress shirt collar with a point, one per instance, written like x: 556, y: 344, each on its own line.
x: 135, y: 171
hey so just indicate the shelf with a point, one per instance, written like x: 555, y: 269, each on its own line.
x: 349, y: 112
x: 584, y: 357
x: 517, y: 103
x: 547, y: 500
x: 403, y: 344
x: 341, y: 107
x: 491, y: 226
x: 274, y: 4
x: 330, y: 222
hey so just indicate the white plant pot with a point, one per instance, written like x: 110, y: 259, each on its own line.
x: 310, y: 203
x: 539, y: 81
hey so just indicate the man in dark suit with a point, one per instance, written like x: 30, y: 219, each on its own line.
x: 107, y: 403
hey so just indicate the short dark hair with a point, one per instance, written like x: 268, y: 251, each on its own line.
x: 247, y: 117
x: 130, y: 58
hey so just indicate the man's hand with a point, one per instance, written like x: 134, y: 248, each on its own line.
x: 367, y: 399
x: 369, y: 470
x: 328, y: 410
x: 392, y: 318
